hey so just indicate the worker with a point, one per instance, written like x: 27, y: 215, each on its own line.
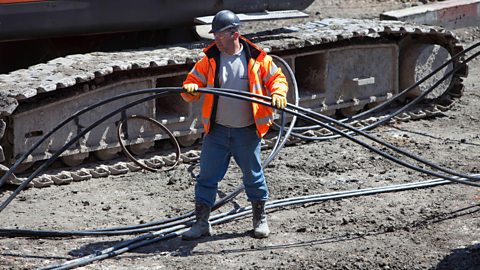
x: 233, y: 127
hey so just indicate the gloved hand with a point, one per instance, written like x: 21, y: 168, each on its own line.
x: 279, y: 101
x: 191, y: 88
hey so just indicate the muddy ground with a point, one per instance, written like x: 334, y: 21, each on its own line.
x: 431, y: 228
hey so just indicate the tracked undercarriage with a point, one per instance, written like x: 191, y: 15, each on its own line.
x: 341, y: 66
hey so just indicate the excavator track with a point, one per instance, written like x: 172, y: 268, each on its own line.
x: 159, y: 161
x: 341, y: 66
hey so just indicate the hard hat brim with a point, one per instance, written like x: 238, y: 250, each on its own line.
x: 213, y: 31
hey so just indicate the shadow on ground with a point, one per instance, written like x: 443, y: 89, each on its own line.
x: 467, y: 258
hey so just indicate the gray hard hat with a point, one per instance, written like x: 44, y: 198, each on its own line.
x: 224, y: 20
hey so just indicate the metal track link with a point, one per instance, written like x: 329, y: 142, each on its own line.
x: 66, y: 176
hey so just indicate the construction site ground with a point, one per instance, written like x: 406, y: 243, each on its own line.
x: 432, y: 228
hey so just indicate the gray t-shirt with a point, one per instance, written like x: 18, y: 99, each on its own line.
x: 233, y: 74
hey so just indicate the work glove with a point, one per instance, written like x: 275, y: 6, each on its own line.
x: 279, y: 101
x: 191, y: 88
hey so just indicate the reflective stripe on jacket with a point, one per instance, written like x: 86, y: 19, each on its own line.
x: 265, y: 78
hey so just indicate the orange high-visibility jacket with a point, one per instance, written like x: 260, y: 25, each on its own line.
x: 265, y: 78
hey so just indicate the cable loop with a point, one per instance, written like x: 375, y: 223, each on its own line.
x: 172, y: 137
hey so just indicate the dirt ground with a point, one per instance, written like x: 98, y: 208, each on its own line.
x: 432, y: 228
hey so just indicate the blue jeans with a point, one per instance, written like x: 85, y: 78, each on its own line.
x: 219, y: 145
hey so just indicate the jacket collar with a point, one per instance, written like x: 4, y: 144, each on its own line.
x: 252, y: 50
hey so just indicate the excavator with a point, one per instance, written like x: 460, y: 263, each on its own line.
x: 57, y: 57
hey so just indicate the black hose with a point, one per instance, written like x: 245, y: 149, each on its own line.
x: 163, y: 237
x: 112, y: 231
x: 25, y: 183
x: 158, y: 93
x: 295, y: 110
x: 163, y: 127
x: 309, y: 118
x: 130, y: 229
x: 329, y: 120
x: 296, y: 98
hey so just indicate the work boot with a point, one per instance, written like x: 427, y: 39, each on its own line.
x: 201, y: 227
x: 260, y: 226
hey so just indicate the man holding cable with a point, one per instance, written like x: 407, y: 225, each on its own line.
x: 233, y: 127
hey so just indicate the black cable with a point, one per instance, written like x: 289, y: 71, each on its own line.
x: 114, y: 231
x: 315, y: 121
x: 331, y: 120
x: 363, y: 144
x: 337, y: 131
x: 172, y: 138
x: 296, y: 98
x: 128, y: 229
